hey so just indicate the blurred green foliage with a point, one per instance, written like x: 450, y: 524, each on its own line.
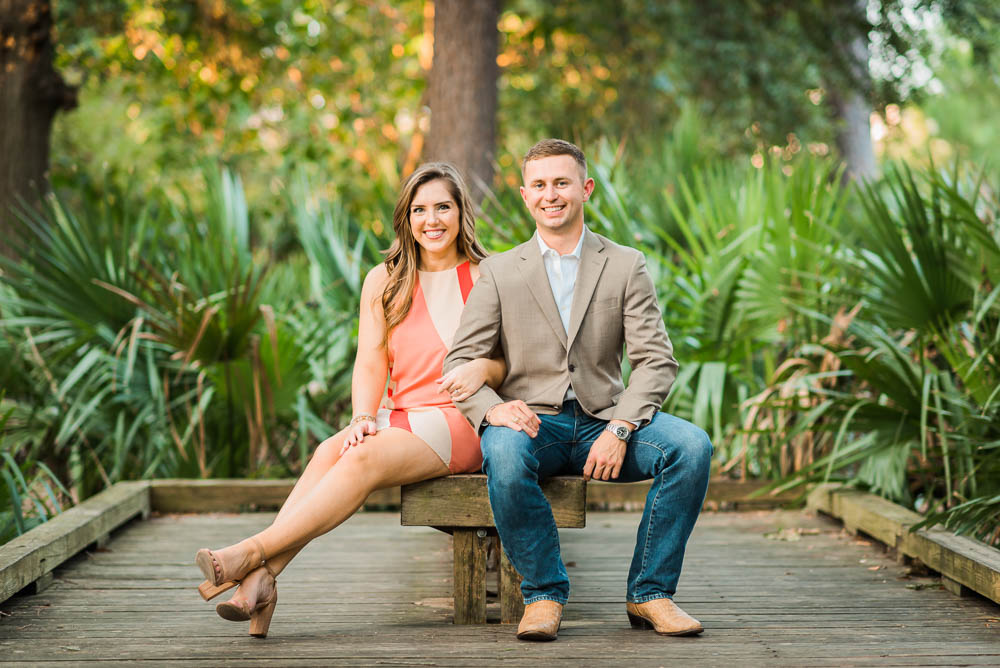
x: 329, y: 87
x: 824, y: 331
x: 186, y: 305
x: 267, y: 87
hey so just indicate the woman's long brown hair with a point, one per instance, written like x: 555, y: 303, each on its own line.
x: 402, y: 259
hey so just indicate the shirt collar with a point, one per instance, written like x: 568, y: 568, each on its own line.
x: 544, y: 247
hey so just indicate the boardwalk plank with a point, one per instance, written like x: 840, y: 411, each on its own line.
x: 374, y: 592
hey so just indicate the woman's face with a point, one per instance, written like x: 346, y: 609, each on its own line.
x: 434, y: 218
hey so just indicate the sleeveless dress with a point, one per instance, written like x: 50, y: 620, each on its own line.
x: 417, y: 348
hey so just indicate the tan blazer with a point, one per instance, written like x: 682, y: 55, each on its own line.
x: 511, y: 310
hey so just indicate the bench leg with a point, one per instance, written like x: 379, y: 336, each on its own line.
x: 101, y: 542
x: 955, y: 587
x: 470, y: 576
x: 511, y: 601
x: 38, y: 586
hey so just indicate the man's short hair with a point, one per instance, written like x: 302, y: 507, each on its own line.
x: 549, y: 147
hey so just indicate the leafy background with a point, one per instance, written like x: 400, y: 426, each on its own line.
x: 187, y: 303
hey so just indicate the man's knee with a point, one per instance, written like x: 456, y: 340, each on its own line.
x: 506, y: 453
x: 690, y: 444
x: 697, y: 450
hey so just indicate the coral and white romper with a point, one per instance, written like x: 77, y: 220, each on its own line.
x: 417, y: 348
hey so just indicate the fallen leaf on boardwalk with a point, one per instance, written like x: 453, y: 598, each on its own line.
x: 70, y: 648
x: 436, y: 602
x: 874, y: 568
x: 791, y: 534
x: 784, y: 534
x: 924, y: 585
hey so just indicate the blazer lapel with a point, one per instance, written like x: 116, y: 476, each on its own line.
x: 592, y: 261
x: 533, y: 270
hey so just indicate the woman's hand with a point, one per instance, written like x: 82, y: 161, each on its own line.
x: 356, y: 434
x: 463, y: 381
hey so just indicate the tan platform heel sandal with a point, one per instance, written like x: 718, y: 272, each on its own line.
x: 231, y: 567
x: 209, y: 591
x: 253, y: 607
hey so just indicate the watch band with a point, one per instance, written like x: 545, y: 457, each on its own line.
x: 622, y: 433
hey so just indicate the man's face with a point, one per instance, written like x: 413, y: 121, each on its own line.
x: 554, y: 191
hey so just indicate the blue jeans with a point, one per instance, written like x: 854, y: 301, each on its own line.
x: 671, y: 451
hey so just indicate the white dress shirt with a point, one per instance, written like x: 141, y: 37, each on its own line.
x: 562, y: 270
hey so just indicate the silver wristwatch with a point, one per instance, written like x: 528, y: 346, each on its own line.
x: 620, y: 432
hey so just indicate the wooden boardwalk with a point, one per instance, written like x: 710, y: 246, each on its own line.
x: 375, y: 593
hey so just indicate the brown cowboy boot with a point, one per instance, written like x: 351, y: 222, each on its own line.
x: 540, y: 621
x: 663, y: 616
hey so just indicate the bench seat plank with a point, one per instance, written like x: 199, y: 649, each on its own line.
x: 462, y: 501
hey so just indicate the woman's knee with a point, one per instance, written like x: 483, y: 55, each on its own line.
x: 327, y: 452
x: 360, y: 457
x: 361, y: 464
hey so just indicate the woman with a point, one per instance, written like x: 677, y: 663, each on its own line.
x: 410, y: 308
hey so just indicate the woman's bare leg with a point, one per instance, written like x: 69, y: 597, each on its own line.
x: 390, y: 458
x: 325, y: 457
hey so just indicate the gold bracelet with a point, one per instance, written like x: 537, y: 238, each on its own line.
x: 362, y: 417
x: 488, y: 412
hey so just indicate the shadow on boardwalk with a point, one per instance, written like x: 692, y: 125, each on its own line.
x: 373, y: 592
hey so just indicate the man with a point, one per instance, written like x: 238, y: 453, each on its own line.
x: 559, y: 308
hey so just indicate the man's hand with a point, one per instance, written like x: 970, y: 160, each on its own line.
x: 606, y: 456
x: 515, y: 415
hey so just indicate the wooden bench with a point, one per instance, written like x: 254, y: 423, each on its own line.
x: 460, y: 505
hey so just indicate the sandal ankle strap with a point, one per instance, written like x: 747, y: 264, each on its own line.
x: 260, y: 548
x: 263, y: 558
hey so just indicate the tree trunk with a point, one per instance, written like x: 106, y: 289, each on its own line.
x: 463, y: 89
x: 854, y: 139
x: 852, y: 109
x: 31, y: 92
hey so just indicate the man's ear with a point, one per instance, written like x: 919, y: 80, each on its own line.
x: 522, y: 194
x: 588, y: 187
